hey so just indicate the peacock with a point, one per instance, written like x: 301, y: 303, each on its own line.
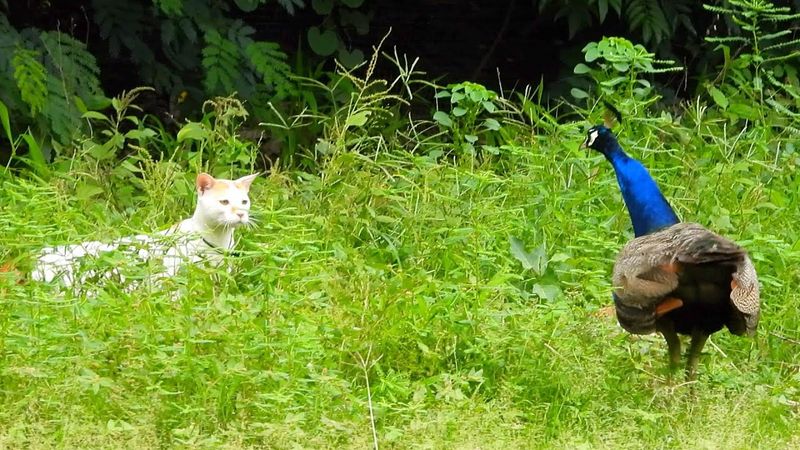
x: 674, y: 277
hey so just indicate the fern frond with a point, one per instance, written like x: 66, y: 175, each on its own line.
x: 719, y: 10
x: 170, y: 7
x: 9, y: 38
x: 793, y: 42
x: 31, y: 78
x: 123, y: 25
x: 221, y: 62
x: 269, y: 62
x: 727, y: 40
x: 776, y: 35
x: 648, y: 16
x: 789, y: 89
x: 793, y: 55
x: 240, y: 33
x: 69, y: 59
x: 117, y: 21
x: 61, y: 114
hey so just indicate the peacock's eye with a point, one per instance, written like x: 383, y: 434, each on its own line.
x: 224, y: 202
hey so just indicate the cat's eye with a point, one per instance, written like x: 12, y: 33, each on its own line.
x: 224, y: 202
x: 244, y: 202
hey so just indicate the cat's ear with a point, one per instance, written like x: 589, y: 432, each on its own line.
x: 246, y: 181
x: 204, y: 182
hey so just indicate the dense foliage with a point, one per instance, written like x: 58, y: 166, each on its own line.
x: 192, y: 50
x: 430, y: 266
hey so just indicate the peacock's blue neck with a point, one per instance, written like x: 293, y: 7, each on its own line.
x: 648, y: 208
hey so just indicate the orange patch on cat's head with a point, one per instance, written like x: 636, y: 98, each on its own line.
x: 206, y: 182
x: 221, y: 185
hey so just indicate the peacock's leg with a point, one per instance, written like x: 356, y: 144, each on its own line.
x: 698, y: 342
x: 667, y: 329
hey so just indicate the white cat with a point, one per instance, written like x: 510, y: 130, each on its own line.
x: 222, y: 205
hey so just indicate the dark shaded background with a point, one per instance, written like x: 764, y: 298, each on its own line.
x: 456, y: 40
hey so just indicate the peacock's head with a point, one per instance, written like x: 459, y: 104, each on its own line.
x: 599, y: 138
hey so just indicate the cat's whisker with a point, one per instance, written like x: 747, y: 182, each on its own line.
x: 252, y: 223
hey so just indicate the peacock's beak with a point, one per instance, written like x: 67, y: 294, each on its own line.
x: 584, y: 144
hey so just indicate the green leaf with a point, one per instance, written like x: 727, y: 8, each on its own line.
x: 614, y: 81
x: 86, y: 191
x: 602, y: 9
x: 492, y: 149
x: 322, y: 7
x: 356, y: 19
x: 323, y: 43
x: 108, y: 149
x: 358, y: 119
x: 591, y: 53
x: 443, y: 119
x: 471, y: 138
x: 744, y: 110
x: 581, y: 68
x: 192, y: 130
x: 248, y: 5
x: 621, y: 66
x: 547, y: 292
x: 459, y: 111
x: 352, y: 3
x: 501, y: 278
x: 4, y: 119
x: 468, y: 148
x: 289, y: 5
x: 31, y: 78
x: 492, y: 124
x: 535, y: 260
x: 489, y: 106
x: 127, y: 165
x: 350, y: 59
x: 35, y: 154
x: 578, y: 93
x: 95, y: 115
x: 719, y: 98
x: 144, y: 133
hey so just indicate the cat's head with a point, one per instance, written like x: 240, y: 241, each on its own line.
x: 223, y: 202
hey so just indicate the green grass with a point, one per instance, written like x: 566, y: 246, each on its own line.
x: 387, y: 283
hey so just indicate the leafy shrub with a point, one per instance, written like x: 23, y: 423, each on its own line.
x: 197, y: 36
x: 340, y: 16
x: 655, y: 21
x: 48, y: 80
x: 615, y: 69
x: 470, y: 121
x: 764, y: 69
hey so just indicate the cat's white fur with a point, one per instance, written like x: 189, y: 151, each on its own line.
x: 222, y: 205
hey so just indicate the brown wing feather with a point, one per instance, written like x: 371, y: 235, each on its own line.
x: 639, y: 272
x: 745, y: 294
x: 647, y: 269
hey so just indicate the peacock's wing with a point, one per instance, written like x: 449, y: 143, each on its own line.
x: 649, y: 268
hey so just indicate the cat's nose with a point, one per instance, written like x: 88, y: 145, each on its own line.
x: 240, y: 214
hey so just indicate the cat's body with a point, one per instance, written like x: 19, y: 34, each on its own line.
x: 222, y: 205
